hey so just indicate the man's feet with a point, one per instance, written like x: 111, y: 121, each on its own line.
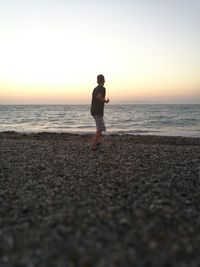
x: 99, y: 144
x: 95, y: 147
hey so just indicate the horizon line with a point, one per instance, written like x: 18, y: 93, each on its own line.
x: 88, y: 104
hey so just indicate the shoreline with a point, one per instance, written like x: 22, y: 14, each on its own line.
x: 181, y: 140
x: 133, y: 202
x: 90, y: 133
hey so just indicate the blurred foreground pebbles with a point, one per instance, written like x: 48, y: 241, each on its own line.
x: 134, y: 202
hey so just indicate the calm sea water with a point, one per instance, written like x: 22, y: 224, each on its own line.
x: 175, y: 120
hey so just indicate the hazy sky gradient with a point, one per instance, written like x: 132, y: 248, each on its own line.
x: 51, y: 51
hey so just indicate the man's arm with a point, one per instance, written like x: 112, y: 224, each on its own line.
x: 102, y: 99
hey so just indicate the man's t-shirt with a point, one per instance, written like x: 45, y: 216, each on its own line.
x: 97, y: 106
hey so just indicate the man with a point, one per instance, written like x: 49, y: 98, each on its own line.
x: 97, y: 109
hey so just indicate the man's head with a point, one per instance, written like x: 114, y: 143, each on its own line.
x: 100, y: 79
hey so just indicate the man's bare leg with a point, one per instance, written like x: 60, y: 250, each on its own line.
x: 96, y: 138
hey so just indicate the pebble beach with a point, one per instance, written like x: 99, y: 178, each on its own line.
x: 133, y: 202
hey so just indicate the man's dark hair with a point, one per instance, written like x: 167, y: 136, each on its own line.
x: 100, y: 78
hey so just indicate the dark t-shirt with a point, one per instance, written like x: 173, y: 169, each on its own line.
x: 97, y: 106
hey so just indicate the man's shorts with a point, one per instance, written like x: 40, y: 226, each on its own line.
x: 100, y: 123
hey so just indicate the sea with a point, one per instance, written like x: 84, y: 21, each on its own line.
x: 166, y: 120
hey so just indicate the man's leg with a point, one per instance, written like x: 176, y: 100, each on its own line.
x: 100, y: 128
x: 99, y: 142
x: 96, y: 138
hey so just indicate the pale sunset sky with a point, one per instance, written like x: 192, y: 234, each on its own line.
x: 52, y: 50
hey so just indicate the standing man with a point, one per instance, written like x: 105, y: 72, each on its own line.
x: 97, y: 109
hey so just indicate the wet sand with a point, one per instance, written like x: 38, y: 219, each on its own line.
x: 134, y: 202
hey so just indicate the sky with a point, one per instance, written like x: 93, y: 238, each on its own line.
x: 52, y: 50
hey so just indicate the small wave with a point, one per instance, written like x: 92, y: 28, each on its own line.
x: 134, y: 131
x: 57, y: 127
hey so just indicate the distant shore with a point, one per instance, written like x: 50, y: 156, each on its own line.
x: 133, y: 202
